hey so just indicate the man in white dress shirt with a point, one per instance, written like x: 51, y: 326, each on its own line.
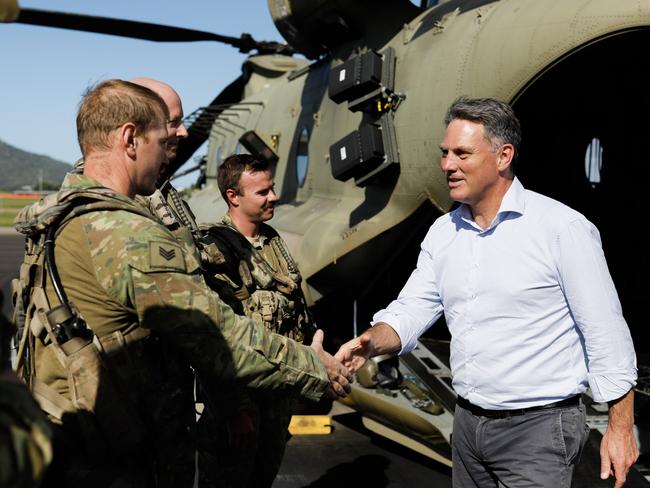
x: 533, y: 314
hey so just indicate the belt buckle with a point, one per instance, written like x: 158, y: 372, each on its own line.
x: 514, y: 413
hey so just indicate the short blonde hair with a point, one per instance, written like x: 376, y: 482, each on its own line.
x: 111, y: 104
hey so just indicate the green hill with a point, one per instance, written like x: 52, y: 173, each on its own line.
x: 20, y: 168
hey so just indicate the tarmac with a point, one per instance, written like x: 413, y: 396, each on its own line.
x: 353, y: 456
x: 11, y: 252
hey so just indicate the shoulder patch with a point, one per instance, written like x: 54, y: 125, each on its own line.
x: 166, y: 255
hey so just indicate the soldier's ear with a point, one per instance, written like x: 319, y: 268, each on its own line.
x: 233, y: 197
x: 128, y: 139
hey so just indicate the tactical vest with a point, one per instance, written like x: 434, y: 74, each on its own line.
x: 238, y: 272
x: 84, y: 357
x: 268, y: 293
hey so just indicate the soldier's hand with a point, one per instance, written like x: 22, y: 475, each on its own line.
x: 338, y: 374
x: 241, y: 430
x: 354, y: 353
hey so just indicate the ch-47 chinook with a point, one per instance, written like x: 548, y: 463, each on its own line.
x: 354, y: 128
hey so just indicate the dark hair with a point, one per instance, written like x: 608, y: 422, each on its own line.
x: 112, y: 103
x: 500, y: 123
x: 230, y: 171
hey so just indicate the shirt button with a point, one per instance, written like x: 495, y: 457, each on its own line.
x: 473, y: 297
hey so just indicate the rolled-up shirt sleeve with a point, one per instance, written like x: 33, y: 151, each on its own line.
x: 418, y: 305
x: 594, y: 304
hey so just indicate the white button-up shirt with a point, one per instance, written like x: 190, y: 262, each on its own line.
x: 530, y: 304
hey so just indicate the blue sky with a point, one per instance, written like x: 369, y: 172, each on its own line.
x: 44, y: 71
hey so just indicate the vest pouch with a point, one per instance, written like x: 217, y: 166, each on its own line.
x: 94, y: 394
x: 18, y: 307
x: 268, y: 308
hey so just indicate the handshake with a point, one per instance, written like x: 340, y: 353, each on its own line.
x: 348, y: 360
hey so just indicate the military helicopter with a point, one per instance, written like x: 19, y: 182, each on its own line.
x: 354, y: 125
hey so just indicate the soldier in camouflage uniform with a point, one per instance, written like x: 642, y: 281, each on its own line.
x: 259, y: 279
x: 228, y: 450
x: 167, y: 205
x: 142, y: 294
x: 177, y: 467
x: 25, y: 433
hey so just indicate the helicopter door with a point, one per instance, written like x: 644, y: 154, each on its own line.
x: 585, y: 130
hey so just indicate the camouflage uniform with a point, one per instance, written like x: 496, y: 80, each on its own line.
x: 258, y: 279
x: 25, y: 433
x: 25, y: 437
x: 142, y: 293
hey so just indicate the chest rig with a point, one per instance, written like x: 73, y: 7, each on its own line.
x: 263, y: 284
x: 260, y: 281
x: 82, y: 354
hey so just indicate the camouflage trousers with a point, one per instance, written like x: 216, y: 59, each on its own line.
x: 85, y: 454
x: 78, y: 461
x: 253, y: 467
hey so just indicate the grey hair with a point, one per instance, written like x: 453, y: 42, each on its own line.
x: 500, y: 123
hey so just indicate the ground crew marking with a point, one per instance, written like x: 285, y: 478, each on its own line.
x: 310, y: 425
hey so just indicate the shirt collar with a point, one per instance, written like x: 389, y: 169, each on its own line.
x: 513, y: 202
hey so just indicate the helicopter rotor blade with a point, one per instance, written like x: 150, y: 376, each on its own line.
x: 139, y: 30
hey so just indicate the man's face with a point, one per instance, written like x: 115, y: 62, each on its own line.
x: 175, y: 128
x: 469, y: 162
x: 256, y: 200
x: 151, y: 158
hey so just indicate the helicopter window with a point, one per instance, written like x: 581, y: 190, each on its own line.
x: 302, y: 156
x: 239, y: 149
x: 219, y: 155
x: 594, y: 161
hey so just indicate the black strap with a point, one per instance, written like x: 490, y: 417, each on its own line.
x: 484, y: 412
x: 66, y: 321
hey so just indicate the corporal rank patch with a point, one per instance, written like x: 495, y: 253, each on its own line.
x: 164, y: 255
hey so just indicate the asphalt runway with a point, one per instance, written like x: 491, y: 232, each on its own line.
x: 352, y: 456
x: 11, y: 252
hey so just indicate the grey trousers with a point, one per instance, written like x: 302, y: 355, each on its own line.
x: 535, y: 449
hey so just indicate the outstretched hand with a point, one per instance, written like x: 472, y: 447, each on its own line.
x: 379, y: 339
x: 354, y: 353
x: 338, y: 374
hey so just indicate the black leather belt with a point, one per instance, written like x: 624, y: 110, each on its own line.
x: 500, y: 414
